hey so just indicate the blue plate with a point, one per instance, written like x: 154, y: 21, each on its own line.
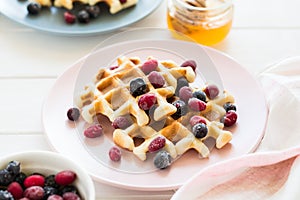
x: 52, y: 20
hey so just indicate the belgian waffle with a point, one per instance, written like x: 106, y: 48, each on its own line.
x: 114, y: 5
x: 109, y: 95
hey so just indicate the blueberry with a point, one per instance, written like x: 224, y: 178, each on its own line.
x: 83, y: 16
x: 200, y: 95
x: 229, y: 106
x: 182, y: 109
x: 5, y: 195
x: 73, y: 114
x: 20, y: 178
x: 200, y: 130
x: 13, y: 167
x: 93, y: 11
x: 50, y: 181
x: 48, y: 191
x: 69, y: 188
x: 5, y: 177
x: 162, y: 159
x: 33, y: 8
x: 137, y: 87
x: 181, y: 82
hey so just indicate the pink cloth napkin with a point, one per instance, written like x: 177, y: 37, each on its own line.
x: 273, y: 171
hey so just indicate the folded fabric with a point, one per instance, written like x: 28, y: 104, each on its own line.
x: 273, y: 171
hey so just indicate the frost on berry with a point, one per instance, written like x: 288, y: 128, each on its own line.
x: 157, y: 144
x: 114, y: 154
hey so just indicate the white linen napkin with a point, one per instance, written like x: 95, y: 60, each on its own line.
x: 273, y: 171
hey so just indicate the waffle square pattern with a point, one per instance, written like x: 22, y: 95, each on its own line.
x: 153, y: 106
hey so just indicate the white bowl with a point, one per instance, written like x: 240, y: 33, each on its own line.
x: 47, y: 163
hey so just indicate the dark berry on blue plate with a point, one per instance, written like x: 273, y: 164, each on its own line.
x: 182, y: 109
x: 137, y: 87
x: 200, y: 130
x: 162, y: 159
x: 50, y: 181
x: 93, y: 11
x: 123, y: 1
x: 229, y: 106
x: 200, y: 95
x: 83, y: 16
x: 5, y: 195
x: 33, y: 8
x: 5, y: 178
x: 13, y: 167
x: 48, y: 191
x: 181, y: 82
x: 73, y: 114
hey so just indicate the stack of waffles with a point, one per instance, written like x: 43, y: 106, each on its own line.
x: 110, y: 95
x: 114, y: 5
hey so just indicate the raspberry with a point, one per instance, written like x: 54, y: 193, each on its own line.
x: 185, y: 93
x: 211, y: 91
x: 34, y: 193
x: 230, y: 118
x: 156, y: 79
x: 16, y: 190
x: 69, y: 17
x: 65, y: 177
x: 157, y: 144
x: 93, y: 131
x: 147, y: 101
x: 121, y: 122
x: 197, y: 119
x: 196, y: 104
x: 149, y: 66
x: 189, y: 63
x: 34, y: 180
x: 114, y: 154
x: 70, y: 196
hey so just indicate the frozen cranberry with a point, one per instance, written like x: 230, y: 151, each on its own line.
x: 54, y: 197
x: 230, y: 118
x: 123, y: 1
x: 156, y: 79
x: 149, y: 66
x: 34, y: 193
x: 16, y: 190
x: 185, y: 93
x: 34, y: 180
x: 121, y: 122
x: 196, y: 104
x: 73, y: 114
x: 65, y: 177
x: 189, y: 63
x: 93, y: 131
x: 70, y: 196
x: 69, y: 17
x: 147, y: 101
x: 157, y: 144
x: 197, y: 119
x: 114, y: 154
x: 211, y: 91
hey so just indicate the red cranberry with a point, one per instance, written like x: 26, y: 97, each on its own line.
x: 157, y: 144
x: 54, y: 197
x: 121, y: 122
x: 196, y: 104
x: 189, y: 63
x: 34, y: 180
x: 114, y: 154
x: 185, y: 93
x: 147, y: 101
x: 156, y: 79
x: 65, y: 177
x: 197, y: 119
x: 149, y: 66
x: 211, y: 91
x: 70, y: 196
x: 34, y: 193
x: 230, y: 118
x: 69, y: 17
x: 16, y: 190
x: 93, y: 131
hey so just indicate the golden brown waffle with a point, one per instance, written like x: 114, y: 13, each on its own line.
x: 110, y: 95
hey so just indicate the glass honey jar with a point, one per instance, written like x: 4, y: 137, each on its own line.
x: 205, y: 21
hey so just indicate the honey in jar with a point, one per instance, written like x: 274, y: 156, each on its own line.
x: 205, y: 21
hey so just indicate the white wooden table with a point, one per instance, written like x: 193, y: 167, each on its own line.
x: 263, y: 33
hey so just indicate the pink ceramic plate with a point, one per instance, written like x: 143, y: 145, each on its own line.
x: 247, y: 133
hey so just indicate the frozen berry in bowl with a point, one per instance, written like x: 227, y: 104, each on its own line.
x: 200, y: 130
x: 189, y: 63
x: 73, y: 114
